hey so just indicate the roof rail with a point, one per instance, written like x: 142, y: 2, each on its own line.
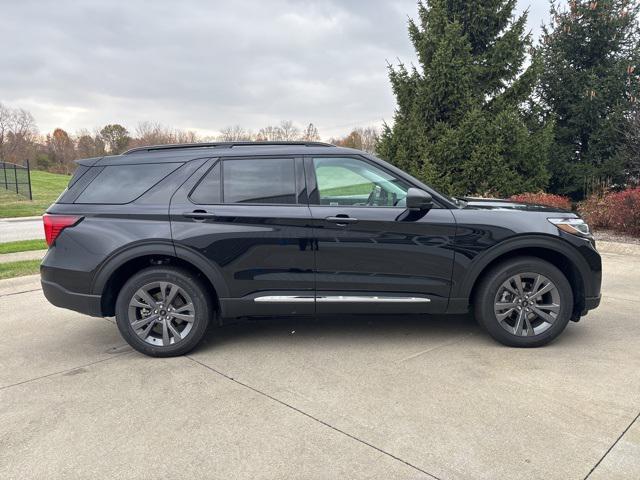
x: 179, y: 146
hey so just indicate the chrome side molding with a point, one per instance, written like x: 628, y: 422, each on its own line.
x: 284, y: 299
x: 368, y: 299
x: 339, y: 299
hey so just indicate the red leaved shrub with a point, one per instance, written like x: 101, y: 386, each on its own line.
x: 619, y: 211
x: 594, y: 209
x: 541, y: 198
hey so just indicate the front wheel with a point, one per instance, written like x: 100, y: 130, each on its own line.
x: 163, y: 311
x: 524, y: 302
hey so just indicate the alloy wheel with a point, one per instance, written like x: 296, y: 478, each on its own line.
x: 161, y: 313
x: 527, y: 304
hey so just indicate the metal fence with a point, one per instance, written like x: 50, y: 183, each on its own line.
x: 16, y: 178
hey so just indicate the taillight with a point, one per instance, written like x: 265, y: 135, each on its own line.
x: 54, y: 224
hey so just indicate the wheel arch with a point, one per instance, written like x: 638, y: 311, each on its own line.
x: 113, y: 274
x: 552, y: 250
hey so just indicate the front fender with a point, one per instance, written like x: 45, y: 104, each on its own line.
x: 585, y: 259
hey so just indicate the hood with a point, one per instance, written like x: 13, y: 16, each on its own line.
x: 497, y: 204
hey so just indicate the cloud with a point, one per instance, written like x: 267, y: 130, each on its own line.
x: 205, y: 65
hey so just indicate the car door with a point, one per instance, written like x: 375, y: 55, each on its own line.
x: 372, y: 254
x: 250, y: 219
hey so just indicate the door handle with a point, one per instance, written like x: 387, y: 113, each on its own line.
x: 341, y: 220
x: 199, y: 215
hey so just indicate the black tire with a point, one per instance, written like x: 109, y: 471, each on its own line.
x: 485, y: 300
x: 191, y: 288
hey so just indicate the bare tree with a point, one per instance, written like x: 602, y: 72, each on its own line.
x: 186, y: 136
x: 17, y: 134
x: 310, y: 134
x: 269, y: 134
x: 289, y: 132
x: 370, y: 137
x: 154, y: 133
x: 285, y: 132
x: 360, y: 138
x: 235, y: 134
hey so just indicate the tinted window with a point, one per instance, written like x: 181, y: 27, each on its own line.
x: 80, y: 171
x: 124, y: 183
x: 348, y: 181
x: 264, y: 180
x: 208, y: 190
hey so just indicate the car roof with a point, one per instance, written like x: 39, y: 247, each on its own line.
x: 187, y: 152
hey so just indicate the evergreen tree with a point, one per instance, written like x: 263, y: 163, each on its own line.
x: 464, y: 121
x: 590, y: 85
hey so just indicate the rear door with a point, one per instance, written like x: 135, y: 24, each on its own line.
x: 249, y: 217
x: 372, y: 254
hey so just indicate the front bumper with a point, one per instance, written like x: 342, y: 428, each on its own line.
x: 63, y: 298
x: 591, y: 302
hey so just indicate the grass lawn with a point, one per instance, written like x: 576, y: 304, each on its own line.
x: 22, y: 246
x: 19, y: 269
x: 46, y: 188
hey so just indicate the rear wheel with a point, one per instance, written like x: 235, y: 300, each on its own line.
x: 163, y: 311
x: 524, y: 302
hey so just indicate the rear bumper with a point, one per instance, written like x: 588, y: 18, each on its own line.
x: 63, y: 298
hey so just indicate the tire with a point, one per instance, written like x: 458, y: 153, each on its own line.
x: 163, y: 330
x: 516, y: 315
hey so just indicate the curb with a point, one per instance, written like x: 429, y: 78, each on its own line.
x: 21, y: 219
x: 19, y: 256
x: 11, y: 286
x: 618, y: 248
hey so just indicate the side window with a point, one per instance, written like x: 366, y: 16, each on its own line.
x: 120, y: 184
x: 259, y: 180
x: 353, y: 182
x: 208, y: 190
x: 80, y: 171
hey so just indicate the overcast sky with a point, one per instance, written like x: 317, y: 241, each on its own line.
x: 208, y: 64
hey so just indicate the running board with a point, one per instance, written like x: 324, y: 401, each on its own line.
x: 338, y: 299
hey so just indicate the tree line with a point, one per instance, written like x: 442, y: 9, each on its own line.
x: 486, y: 111
x: 56, y: 151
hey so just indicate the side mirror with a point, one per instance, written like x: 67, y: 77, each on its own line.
x: 419, y: 200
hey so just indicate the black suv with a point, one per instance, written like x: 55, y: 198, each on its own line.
x: 172, y: 238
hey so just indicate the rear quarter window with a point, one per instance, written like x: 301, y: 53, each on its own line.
x: 208, y: 190
x: 119, y: 184
x: 80, y: 171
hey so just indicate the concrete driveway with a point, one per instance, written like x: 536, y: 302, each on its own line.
x: 352, y: 398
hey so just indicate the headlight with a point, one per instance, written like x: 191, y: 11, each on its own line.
x: 574, y: 226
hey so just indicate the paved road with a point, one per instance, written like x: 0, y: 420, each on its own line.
x: 346, y: 398
x: 27, y: 228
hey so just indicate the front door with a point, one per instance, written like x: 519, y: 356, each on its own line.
x: 372, y: 254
